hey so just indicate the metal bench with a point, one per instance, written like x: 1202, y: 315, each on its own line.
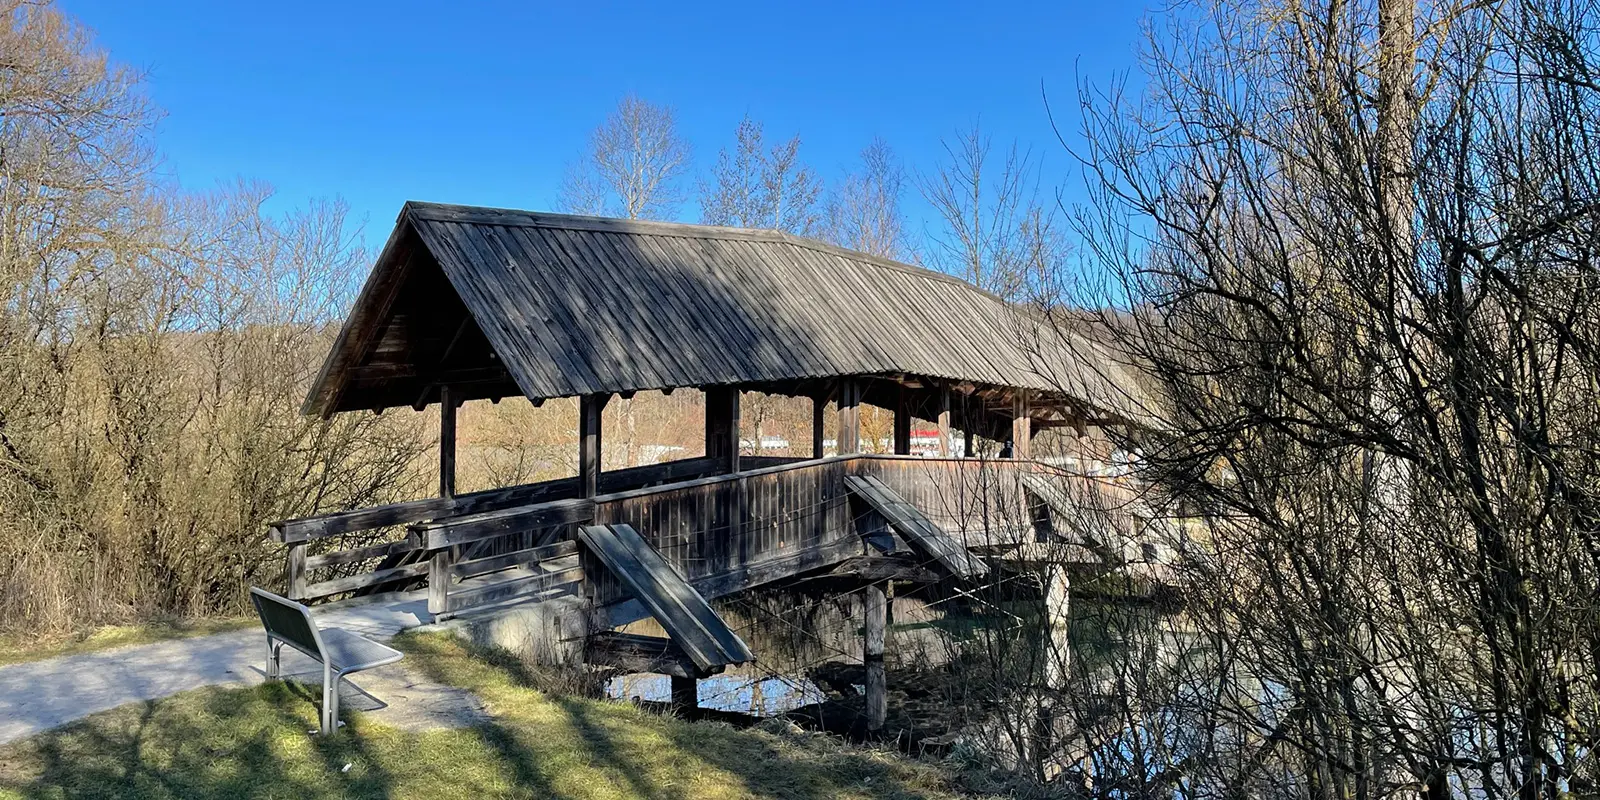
x: 339, y: 651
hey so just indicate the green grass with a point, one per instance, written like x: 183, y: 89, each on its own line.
x: 15, y: 650
x: 253, y: 742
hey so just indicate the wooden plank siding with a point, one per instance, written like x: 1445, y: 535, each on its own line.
x: 721, y: 533
x: 348, y: 541
x: 719, y: 526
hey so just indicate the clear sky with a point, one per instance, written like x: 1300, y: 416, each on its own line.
x: 485, y: 102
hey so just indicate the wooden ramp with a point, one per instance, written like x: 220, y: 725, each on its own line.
x: 1064, y: 508
x: 687, y: 617
x: 917, y: 529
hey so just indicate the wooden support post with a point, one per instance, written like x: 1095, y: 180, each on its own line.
x: 722, y: 426
x: 1057, y: 596
x: 685, y: 696
x: 819, y: 407
x: 296, y: 579
x: 944, y: 420
x: 876, y: 630
x: 1057, y: 659
x: 447, y: 443
x: 849, y: 416
x: 590, y: 407
x: 1021, y: 425
x: 902, y: 422
x: 968, y: 422
x: 439, y: 581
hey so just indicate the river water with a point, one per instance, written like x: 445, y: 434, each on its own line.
x: 808, y: 649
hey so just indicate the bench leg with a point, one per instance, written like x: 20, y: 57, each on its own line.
x: 330, y: 701
x: 333, y: 704
x: 274, y: 654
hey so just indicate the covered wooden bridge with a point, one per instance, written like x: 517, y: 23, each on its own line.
x: 475, y: 303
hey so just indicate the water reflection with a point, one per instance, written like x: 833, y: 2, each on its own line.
x: 808, y: 647
x: 742, y: 690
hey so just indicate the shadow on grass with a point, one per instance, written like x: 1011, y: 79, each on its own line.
x: 256, y: 742
x: 647, y: 755
x: 250, y: 742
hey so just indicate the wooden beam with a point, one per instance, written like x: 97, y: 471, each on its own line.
x: 877, y: 569
x: 968, y: 423
x: 632, y: 652
x: 495, y: 524
x: 944, y: 419
x: 439, y: 582
x: 902, y: 421
x: 447, y: 443
x: 1021, y: 425
x: 849, y: 416
x: 722, y: 425
x: 590, y: 407
x: 819, y: 407
x: 296, y: 579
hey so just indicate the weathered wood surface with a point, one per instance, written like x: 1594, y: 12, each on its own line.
x: 342, y: 522
x: 978, y: 502
x: 722, y: 426
x: 590, y: 407
x: 533, y: 555
x: 351, y: 583
x: 722, y: 525
x: 573, y: 306
x: 502, y: 586
x: 363, y: 526
x: 686, y: 616
x: 447, y: 442
x: 632, y: 652
x: 367, y: 553
x: 874, y: 629
x: 917, y: 529
x: 494, y: 524
x: 722, y: 533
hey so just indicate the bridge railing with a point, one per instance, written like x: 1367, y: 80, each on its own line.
x: 362, y: 549
x: 721, y: 532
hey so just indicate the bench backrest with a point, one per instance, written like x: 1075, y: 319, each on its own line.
x: 287, y: 620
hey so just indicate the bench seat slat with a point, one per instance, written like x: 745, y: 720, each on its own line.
x: 351, y: 652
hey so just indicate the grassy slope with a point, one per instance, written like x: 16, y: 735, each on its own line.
x: 14, y: 649
x: 253, y: 742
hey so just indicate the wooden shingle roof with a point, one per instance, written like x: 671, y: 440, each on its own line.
x: 563, y: 305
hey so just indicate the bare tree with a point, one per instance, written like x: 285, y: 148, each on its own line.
x: 864, y: 213
x: 755, y: 186
x: 1358, y: 244
x: 993, y: 230
x: 634, y: 166
x: 154, y: 348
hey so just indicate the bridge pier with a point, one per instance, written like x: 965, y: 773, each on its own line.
x: 876, y: 598
x: 685, y: 695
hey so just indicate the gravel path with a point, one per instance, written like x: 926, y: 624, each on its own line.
x: 38, y: 695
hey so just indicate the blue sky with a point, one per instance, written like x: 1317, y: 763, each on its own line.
x: 485, y: 102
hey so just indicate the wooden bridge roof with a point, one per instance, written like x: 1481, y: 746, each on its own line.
x: 497, y: 302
